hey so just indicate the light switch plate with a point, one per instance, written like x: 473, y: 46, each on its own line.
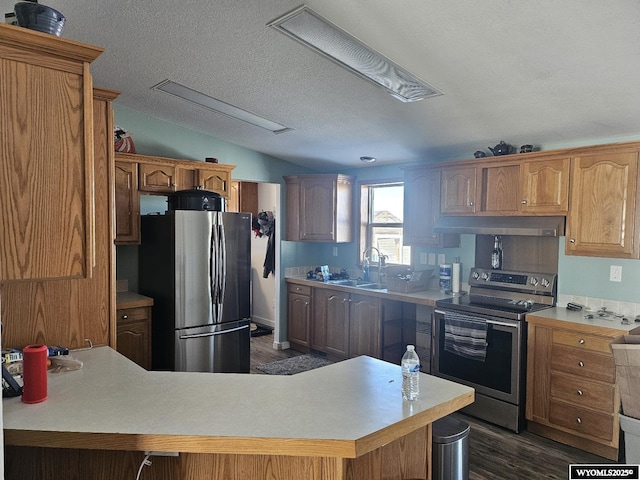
x: 423, y: 258
x: 432, y: 259
x: 441, y: 258
x: 335, y: 251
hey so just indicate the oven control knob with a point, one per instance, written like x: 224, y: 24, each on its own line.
x: 545, y: 282
x: 484, y: 276
x: 534, y: 281
x: 475, y: 275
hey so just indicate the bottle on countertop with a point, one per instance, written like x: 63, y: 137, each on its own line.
x: 496, y: 254
x: 410, y: 374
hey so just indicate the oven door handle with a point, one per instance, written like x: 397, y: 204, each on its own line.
x: 503, y: 324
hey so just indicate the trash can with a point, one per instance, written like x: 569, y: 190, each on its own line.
x: 450, y: 449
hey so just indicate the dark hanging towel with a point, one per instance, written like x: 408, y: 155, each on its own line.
x: 268, y: 224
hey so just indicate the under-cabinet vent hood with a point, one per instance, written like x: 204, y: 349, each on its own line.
x: 529, y: 226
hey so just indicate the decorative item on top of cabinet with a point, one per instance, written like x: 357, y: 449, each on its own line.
x: 127, y: 203
x: 422, y: 209
x: 46, y: 113
x: 134, y: 334
x: 319, y: 208
x: 571, y: 385
x: 603, y: 218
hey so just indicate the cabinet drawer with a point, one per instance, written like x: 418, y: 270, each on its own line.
x: 582, y: 420
x: 300, y: 289
x: 596, y: 366
x: 579, y: 340
x: 582, y: 392
x: 132, y: 314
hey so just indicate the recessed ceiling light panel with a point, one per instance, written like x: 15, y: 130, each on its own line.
x: 218, y: 106
x: 322, y: 36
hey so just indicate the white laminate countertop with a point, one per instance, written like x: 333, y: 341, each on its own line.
x: 343, y: 409
x: 577, y: 320
x: 425, y: 297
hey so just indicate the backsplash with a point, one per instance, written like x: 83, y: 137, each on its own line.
x: 628, y: 309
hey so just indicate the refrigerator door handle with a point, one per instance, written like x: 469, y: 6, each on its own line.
x: 211, y: 334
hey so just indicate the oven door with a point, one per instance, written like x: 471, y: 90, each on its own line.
x: 501, y: 374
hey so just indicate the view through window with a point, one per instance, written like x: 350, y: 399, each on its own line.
x: 381, y: 220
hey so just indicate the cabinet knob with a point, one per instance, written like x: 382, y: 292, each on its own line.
x: 581, y: 364
x: 306, y: 303
x: 580, y: 392
x: 578, y: 420
x: 434, y: 235
x: 471, y: 204
x: 581, y: 341
x: 124, y: 317
x: 523, y: 202
x: 297, y: 289
x: 572, y: 240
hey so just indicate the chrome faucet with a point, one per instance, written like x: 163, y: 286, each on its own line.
x: 365, y: 263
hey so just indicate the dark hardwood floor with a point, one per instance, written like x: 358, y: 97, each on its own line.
x: 494, y: 452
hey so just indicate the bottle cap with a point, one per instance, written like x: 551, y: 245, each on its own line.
x: 411, y: 347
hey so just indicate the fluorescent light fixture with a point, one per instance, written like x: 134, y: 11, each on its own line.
x: 218, y: 106
x: 319, y: 34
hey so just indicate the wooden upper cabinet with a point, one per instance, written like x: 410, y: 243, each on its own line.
x: 545, y: 186
x: 127, y: 203
x: 458, y: 190
x: 214, y: 180
x: 46, y: 161
x: 319, y: 208
x: 603, y: 211
x: 422, y: 209
x: 500, y: 189
x: 159, y: 178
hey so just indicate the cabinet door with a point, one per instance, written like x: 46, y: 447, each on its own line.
x: 365, y: 326
x: 458, y: 194
x: 501, y: 189
x: 336, y: 322
x: 422, y: 210
x: 545, y: 186
x: 317, y: 209
x: 539, y: 347
x: 134, y: 335
x: 127, y: 203
x: 214, y: 180
x: 46, y: 160
x: 299, y: 314
x: 157, y: 178
x: 601, y: 220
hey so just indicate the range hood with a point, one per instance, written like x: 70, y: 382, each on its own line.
x: 527, y: 226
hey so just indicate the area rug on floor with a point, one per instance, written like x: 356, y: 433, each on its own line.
x: 293, y: 365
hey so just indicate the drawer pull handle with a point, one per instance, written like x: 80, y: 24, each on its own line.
x: 581, y: 341
x: 580, y: 392
x: 581, y: 364
x: 124, y: 317
x: 578, y: 420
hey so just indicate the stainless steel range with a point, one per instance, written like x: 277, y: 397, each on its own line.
x: 480, y: 340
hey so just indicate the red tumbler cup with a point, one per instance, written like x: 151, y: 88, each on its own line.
x: 34, y: 362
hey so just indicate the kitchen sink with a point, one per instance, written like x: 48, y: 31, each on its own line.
x: 358, y: 284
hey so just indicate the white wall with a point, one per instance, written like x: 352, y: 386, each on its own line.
x: 264, y: 289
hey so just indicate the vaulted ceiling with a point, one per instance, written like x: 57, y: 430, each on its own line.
x: 539, y: 72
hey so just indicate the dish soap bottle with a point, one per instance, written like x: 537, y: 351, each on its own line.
x: 496, y: 254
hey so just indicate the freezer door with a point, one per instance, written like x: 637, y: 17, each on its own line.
x: 235, y: 229
x: 222, y: 348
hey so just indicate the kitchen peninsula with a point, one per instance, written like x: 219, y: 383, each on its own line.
x: 344, y: 421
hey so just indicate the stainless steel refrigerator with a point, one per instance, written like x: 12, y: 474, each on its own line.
x: 196, y: 265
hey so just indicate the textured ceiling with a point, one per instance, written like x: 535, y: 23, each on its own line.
x: 546, y: 73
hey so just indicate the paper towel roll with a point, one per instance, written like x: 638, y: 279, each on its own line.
x: 455, y: 278
x: 34, y: 364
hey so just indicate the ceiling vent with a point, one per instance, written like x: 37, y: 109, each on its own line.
x: 325, y: 38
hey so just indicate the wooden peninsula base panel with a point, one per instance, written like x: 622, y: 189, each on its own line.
x: 346, y: 421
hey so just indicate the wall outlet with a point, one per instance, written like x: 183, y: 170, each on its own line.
x: 432, y: 259
x: 441, y: 258
x: 615, y: 273
x: 423, y: 258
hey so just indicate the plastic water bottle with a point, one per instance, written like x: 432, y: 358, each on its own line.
x: 410, y: 374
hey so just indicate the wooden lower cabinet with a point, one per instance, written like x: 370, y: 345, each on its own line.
x: 134, y: 335
x: 365, y: 326
x: 572, y: 395
x: 299, y: 317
